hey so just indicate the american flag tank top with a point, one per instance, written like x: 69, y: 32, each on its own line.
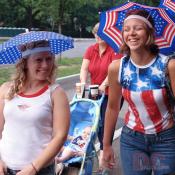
x: 143, y: 87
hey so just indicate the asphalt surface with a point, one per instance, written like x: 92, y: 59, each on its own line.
x: 80, y: 46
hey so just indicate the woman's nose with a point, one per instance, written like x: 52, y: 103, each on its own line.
x: 132, y: 31
x: 45, y: 63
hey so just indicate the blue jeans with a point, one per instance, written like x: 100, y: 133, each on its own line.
x: 143, y: 153
x: 49, y: 170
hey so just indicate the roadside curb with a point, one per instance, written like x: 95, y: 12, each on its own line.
x: 84, y: 39
x: 67, y: 77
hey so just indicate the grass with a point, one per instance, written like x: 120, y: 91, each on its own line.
x: 66, y: 66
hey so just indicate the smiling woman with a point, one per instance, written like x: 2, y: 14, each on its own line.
x: 147, y: 142
x: 37, y: 62
x: 32, y: 107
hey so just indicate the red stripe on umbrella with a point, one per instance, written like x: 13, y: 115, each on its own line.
x: 170, y: 4
x: 168, y: 37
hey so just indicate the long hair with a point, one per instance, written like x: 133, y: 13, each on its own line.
x: 150, y: 44
x: 20, y: 77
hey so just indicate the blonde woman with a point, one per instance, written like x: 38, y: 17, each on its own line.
x: 34, y: 114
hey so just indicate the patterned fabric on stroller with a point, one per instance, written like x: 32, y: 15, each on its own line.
x: 84, y: 113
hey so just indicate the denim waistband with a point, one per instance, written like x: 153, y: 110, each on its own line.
x: 126, y: 129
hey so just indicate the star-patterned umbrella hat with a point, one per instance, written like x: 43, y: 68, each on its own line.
x: 10, y: 53
x: 111, y: 22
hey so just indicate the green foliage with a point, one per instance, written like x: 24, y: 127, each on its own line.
x: 6, y: 73
x: 65, y: 71
x: 68, y: 62
x: 146, y: 2
x: 66, y: 16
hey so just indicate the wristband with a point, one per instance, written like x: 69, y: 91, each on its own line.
x: 34, y: 168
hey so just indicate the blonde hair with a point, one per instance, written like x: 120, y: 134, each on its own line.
x: 95, y: 28
x: 20, y: 76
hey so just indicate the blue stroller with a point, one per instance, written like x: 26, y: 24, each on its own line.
x: 84, y: 113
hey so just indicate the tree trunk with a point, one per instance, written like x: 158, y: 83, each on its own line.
x: 30, y: 24
x: 59, y: 28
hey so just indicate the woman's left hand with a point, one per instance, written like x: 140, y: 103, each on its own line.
x: 108, y: 158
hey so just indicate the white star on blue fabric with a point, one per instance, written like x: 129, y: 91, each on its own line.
x: 141, y: 84
x: 156, y: 72
x: 128, y: 72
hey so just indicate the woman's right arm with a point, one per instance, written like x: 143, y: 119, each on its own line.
x: 3, y: 91
x: 84, y: 71
x: 1, y: 109
x: 112, y: 112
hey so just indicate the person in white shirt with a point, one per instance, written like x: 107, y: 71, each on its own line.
x: 34, y: 114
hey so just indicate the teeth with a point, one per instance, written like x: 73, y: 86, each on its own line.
x: 133, y: 40
x: 42, y: 70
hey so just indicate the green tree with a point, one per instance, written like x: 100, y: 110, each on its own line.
x: 7, y: 13
x: 74, y: 16
x: 58, y: 12
x: 20, y: 13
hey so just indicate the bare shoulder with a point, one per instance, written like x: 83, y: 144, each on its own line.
x: 59, y: 93
x: 4, y: 89
x: 171, y: 64
x: 114, y: 66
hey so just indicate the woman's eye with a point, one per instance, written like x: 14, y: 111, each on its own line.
x: 38, y: 60
x: 125, y: 29
x: 139, y: 28
x: 48, y: 58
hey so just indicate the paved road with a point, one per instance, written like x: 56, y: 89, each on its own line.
x: 80, y: 45
x: 68, y: 84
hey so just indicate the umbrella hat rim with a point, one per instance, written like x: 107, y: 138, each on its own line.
x: 58, y: 43
x: 41, y: 35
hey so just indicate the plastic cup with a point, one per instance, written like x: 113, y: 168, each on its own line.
x: 94, y: 90
x: 80, y: 89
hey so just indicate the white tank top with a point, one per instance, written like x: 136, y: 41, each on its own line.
x: 27, y: 128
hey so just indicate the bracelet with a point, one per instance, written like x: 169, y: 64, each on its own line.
x: 34, y: 168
